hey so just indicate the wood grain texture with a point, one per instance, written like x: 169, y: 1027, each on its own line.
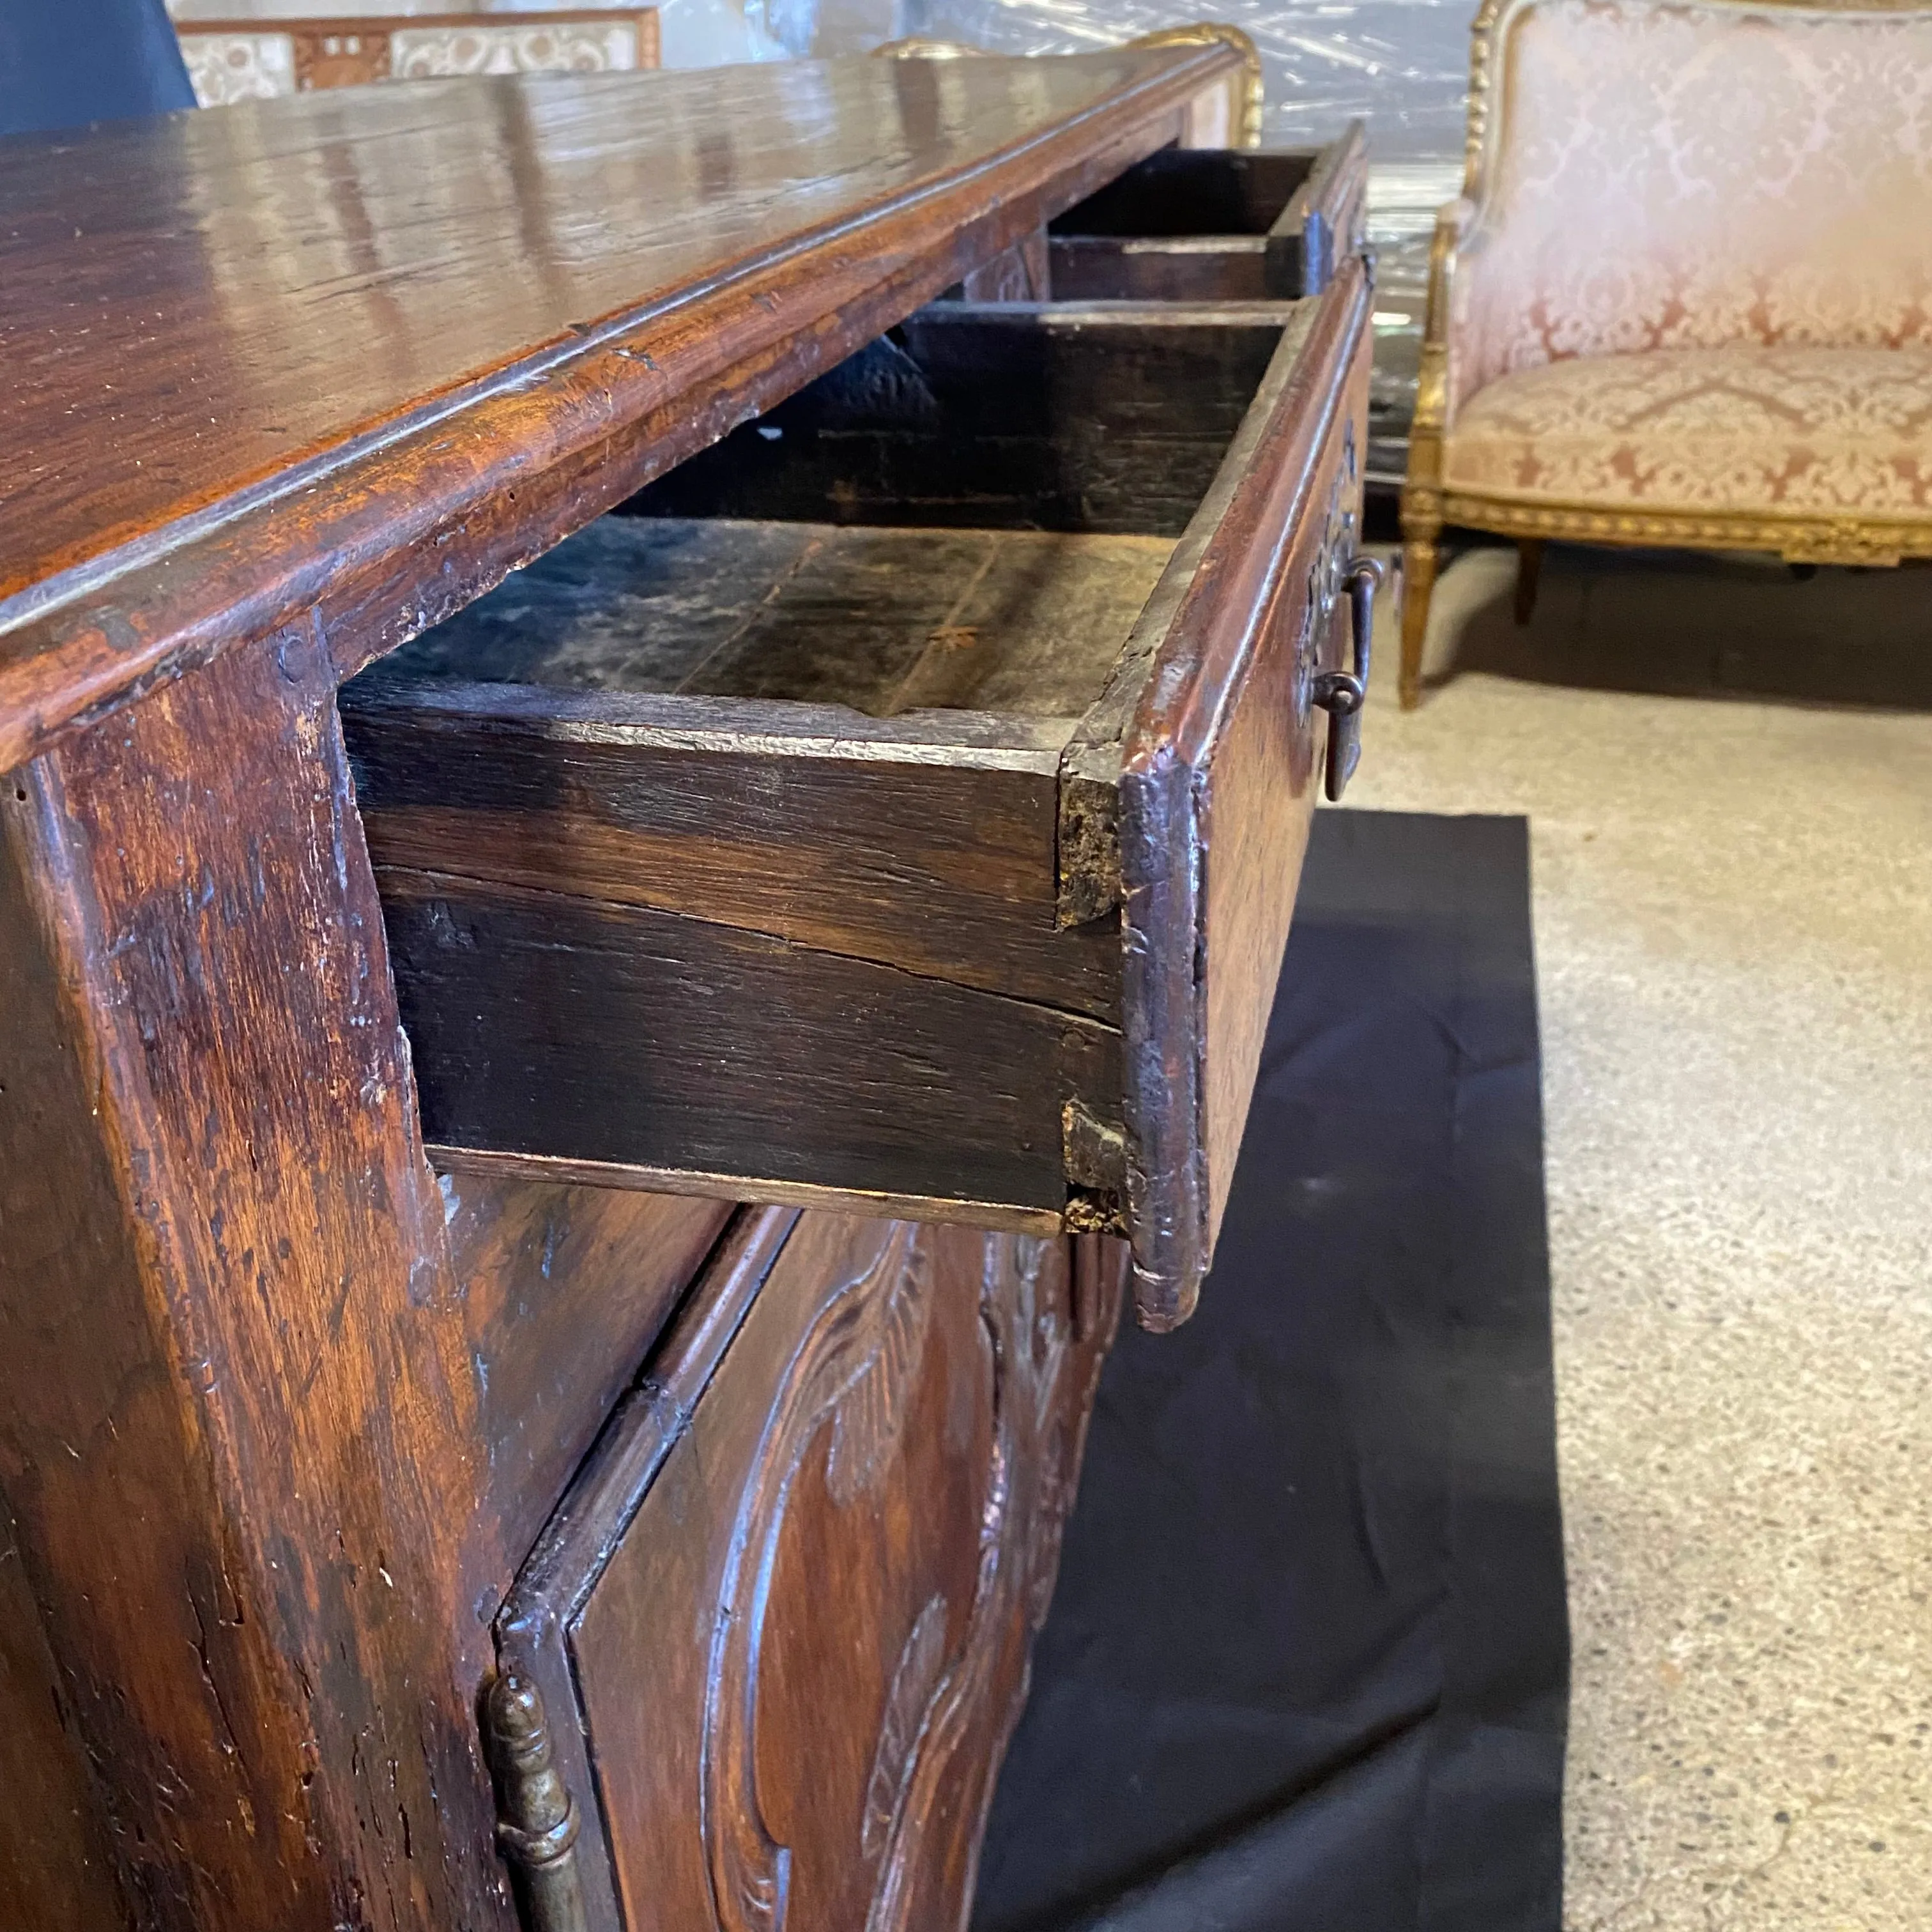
x: 928, y: 852
x: 547, y: 1024
x: 811, y: 865
x: 884, y: 620
x: 564, y: 1290
x: 240, y: 1437
x: 902, y: 1406
x: 1225, y: 651
x: 58, y: 1872
x: 1058, y: 416
x: 355, y: 356
x: 1208, y: 226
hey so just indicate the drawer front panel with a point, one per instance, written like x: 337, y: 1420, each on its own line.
x: 789, y: 1602
x: 1219, y: 776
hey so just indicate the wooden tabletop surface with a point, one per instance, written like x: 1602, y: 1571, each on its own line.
x: 236, y: 344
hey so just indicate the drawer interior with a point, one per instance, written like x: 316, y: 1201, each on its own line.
x: 1084, y: 418
x: 1212, y: 225
x: 1182, y: 191
x: 886, y: 622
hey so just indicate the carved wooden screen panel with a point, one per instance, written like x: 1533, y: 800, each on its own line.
x: 797, y: 1662
x: 230, y: 60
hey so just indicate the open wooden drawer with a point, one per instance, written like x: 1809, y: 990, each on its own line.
x: 1215, y: 224
x: 908, y: 810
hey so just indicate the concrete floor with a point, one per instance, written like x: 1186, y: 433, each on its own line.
x: 1733, y: 917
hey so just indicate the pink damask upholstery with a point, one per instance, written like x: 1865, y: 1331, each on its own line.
x: 1789, y: 432
x: 1679, y: 177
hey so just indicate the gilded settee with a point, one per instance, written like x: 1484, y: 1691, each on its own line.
x: 1686, y: 296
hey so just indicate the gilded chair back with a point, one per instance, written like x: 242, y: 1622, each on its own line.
x: 1643, y: 174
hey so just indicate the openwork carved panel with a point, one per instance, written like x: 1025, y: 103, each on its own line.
x: 225, y: 67
x: 233, y: 60
x: 581, y: 47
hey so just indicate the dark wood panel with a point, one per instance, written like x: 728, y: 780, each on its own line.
x: 1194, y: 191
x: 941, y: 864
x: 1261, y: 793
x: 1216, y: 226
x: 564, y: 1290
x: 1236, y: 649
x: 240, y: 1438
x: 934, y: 851
x: 883, y: 620
x: 58, y: 1872
x: 1190, y: 268
x: 1044, y: 416
x: 547, y: 1025
x: 901, y: 1407
x: 396, y: 302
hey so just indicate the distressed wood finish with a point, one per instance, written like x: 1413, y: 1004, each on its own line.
x: 1055, y: 416
x: 877, y: 860
x: 58, y: 1872
x: 381, y: 359
x: 564, y: 1289
x: 279, y: 1410
x: 1208, y: 225
x: 900, y: 1407
x: 242, y: 1441
x: 546, y: 1024
x: 1215, y: 776
x: 641, y: 666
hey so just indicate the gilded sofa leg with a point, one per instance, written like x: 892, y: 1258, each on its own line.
x: 1418, y: 581
x: 1529, y: 575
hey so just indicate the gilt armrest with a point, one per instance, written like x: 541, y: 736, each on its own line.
x: 1436, y: 389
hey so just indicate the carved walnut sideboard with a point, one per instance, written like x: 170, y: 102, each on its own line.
x: 657, y: 734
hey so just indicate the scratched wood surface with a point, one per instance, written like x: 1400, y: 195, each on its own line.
x: 1023, y: 622
x: 282, y: 388
x: 564, y: 1290
x: 350, y: 357
x: 242, y: 1442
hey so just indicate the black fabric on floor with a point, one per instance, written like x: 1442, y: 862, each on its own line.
x: 1307, y: 1668
x: 64, y: 63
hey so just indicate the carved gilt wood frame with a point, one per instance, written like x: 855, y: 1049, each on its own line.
x: 1427, y: 507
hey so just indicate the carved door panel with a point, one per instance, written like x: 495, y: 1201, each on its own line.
x: 786, y: 1606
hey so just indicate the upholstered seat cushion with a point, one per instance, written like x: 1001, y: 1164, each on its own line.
x: 1799, y: 432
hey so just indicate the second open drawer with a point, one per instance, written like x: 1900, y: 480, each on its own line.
x: 868, y: 840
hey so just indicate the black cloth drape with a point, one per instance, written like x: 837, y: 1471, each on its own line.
x: 64, y: 63
x: 1307, y: 1667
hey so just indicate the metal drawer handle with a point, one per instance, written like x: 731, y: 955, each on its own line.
x: 1341, y: 693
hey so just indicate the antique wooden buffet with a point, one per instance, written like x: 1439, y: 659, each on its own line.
x: 572, y: 1142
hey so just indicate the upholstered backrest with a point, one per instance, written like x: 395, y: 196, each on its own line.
x: 1653, y: 175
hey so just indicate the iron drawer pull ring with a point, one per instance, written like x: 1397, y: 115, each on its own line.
x: 1342, y: 693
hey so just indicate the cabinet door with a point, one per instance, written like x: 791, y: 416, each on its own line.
x: 780, y: 1626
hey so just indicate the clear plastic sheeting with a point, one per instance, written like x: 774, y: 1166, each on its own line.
x: 1400, y: 65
